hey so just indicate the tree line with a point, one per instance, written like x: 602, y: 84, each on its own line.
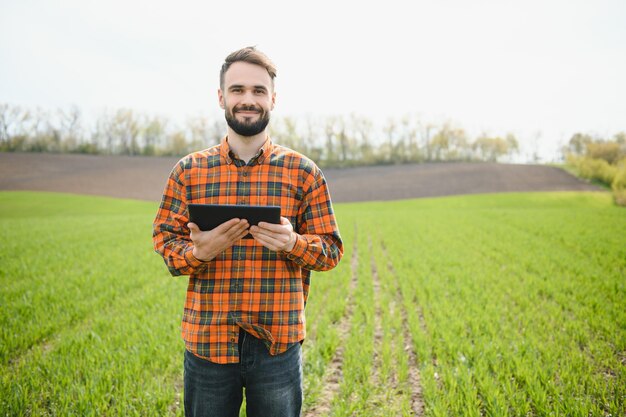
x: 601, y: 160
x: 332, y: 141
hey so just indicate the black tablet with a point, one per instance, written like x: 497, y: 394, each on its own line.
x: 209, y: 216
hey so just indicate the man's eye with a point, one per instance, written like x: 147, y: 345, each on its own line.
x: 259, y: 91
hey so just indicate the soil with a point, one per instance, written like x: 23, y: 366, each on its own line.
x: 143, y: 178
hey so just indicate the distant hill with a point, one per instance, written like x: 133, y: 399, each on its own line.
x: 144, y: 177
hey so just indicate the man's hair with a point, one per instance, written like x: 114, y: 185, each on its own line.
x: 252, y: 56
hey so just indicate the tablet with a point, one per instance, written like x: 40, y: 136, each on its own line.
x: 209, y: 216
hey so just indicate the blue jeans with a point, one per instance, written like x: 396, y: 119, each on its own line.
x: 273, y: 384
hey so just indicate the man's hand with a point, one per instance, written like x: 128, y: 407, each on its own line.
x: 207, y: 245
x: 277, y: 237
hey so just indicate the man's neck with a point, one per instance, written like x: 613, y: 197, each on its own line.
x: 245, y: 147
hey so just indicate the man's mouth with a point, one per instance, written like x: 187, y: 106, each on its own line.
x: 248, y: 112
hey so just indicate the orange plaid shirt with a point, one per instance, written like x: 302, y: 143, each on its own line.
x: 248, y: 286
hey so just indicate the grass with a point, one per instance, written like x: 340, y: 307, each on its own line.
x: 512, y: 304
x: 89, y: 314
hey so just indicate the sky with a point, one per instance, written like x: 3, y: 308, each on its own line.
x: 541, y: 69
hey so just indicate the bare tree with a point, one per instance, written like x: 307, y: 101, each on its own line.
x: 204, y: 132
x: 153, y: 131
x: 450, y: 143
x: 578, y: 143
x: 71, y: 134
x: 120, y: 132
x: 13, y: 122
x: 6, y: 120
x: 177, y: 144
x: 330, y: 154
x: 284, y: 130
x: 490, y: 148
x: 425, y: 131
x: 512, y: 144
x: 388, y: 148
x: 311, y: 136
x: 361, y: 131
x: 410, y: 149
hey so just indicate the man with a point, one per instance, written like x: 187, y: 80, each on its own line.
x: 243, y: 321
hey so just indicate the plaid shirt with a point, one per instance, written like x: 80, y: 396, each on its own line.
x: 248, y: 286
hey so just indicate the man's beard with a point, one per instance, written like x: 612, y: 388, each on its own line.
x: 247, y: 128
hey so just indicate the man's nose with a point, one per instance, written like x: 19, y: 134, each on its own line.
x: 248, y: 98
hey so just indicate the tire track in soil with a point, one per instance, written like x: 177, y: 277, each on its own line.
x: 390, y: 390
x: 334, y: 374
x: 377, y: 399
x: 414, y: 380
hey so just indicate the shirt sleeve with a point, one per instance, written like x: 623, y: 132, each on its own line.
x: 170, y: 234
x: 318, y: 246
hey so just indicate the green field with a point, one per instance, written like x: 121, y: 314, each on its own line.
x: 496, y: 305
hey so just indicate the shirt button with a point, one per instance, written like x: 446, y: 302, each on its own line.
x: 232, y: 339
x: 245, y: 174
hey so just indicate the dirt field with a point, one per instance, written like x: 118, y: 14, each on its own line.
x: 143, y: 178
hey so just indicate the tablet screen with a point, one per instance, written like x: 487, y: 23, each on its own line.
x: 209, y: 216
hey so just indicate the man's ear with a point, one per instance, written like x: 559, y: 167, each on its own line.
x: 273, y: 99
x: 220, y: 96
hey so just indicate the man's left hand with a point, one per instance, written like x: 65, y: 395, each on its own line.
x: 277, y: 237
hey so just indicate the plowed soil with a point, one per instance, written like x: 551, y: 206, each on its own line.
x: 144, y: 177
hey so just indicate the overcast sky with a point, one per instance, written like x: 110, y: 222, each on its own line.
x: 555, y: 67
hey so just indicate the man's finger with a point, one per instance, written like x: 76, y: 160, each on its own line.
x: 242, y: 234
x: 266, y: 241
x: 279, y: 228
x: 269, y: 237
x: 238, y: 229
x: 234, y: 236
x: 227, y: 225
x: 275, y: 234
x: 271, y: 226
x: 258, y: 231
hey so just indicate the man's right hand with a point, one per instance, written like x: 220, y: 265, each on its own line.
x: 208, y: 244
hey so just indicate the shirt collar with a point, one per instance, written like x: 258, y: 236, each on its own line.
x: 261, y: 155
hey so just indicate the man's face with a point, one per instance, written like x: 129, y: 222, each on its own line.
x: 247, y: 98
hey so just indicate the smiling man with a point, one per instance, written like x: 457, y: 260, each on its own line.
x: 243, y: 322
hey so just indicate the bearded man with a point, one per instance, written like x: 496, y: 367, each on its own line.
x: 243, y: 322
